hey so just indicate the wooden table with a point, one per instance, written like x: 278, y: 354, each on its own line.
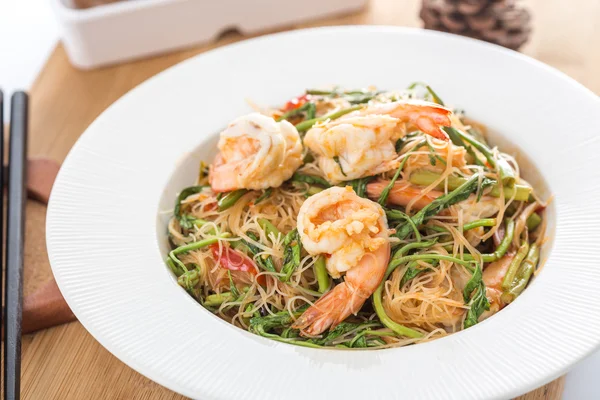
x: 66, y: 362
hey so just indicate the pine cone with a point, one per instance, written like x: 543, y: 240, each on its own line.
x: 496, y: 21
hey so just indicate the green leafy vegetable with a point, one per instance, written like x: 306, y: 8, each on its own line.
x: 320, y: 268
x: 474, y: 295
x: 265, y: 263
x: 229, y: 199
x: 386, y: 191
x: 307, y: 108
x: 185, y: 221
x: 352, y: 96
x: 215, y: 300
x: 511, y: 273
x: 397, y: 215
x: 265, y: 195
x: 413, y: 271
x: 271, y: 230
x: 459, y: 194
x: 425, y: 178
x: 524, y: 274
x: 533, y: 221
x: 174, y: 261
x: 344, y: 328
x: 483, y: 184
x: 479, y: 223
x: 188, y: 280
x: 232, y: 288
x: 310, y: 179
x: 502, y: 247
x: 434, y: 96
x: 473, y: 283
x: 507, y: 174
x: 457, y: 140
x: 291, y: 254
x: 360, y: 185
x: 306, y: 125
x: 433, y: 156
x: 478, y: 305
x: 279, y: 320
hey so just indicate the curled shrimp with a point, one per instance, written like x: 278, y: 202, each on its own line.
x: 402, y: 193
x: 426, y: 116
x: 363, y: 143
x: 255, y: 152
x: 353, y: 232
x: 492, y: 277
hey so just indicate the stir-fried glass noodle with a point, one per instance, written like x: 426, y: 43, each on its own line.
x: 356, y: 219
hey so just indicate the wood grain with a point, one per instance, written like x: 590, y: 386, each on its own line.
x: 66, y: 362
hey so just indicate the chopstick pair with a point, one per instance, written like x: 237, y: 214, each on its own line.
x: 14, y: 238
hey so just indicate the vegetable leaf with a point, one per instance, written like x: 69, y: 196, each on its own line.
x: 279, y: 320
x: 360, y: 185
x: 360, y: 343
x: 265, y: 194
x: 475, y: 291
x: 265, y: 262
x: 479, y: 303
x: 485, y: 183
x: 186, y: 221
x: 456, y: 139
x: 413, y: 271
x: 229, y: 199
x: 185, y: 193
x: 473, y: 283
x: 307, y: 108
x: 232, y: 288
x: 434, y: 96
x: 291, y: 254
x: 436, y: 206
x: 338, y: 331
x: 310, y: 179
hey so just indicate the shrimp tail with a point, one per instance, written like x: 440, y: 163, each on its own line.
x: 330, y: 310
x: 431, y: 126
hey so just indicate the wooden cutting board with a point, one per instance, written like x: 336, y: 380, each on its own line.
x: 66, y: 362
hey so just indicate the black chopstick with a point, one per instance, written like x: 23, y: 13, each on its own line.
x: 2, y: 183
x: 15, y: 235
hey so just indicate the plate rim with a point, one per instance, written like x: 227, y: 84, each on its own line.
x: 140, y: 367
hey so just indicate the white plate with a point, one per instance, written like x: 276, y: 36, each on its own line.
x: 107, y: 241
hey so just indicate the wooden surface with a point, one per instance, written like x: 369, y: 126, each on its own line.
x: 66, y: 362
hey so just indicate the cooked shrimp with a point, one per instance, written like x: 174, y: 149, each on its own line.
x: 424, y: 115
x: 402, y: 193
x: 350, y: 148
x: 353, y: 232
x: 493, y: 275
x: 255, y: 153
x: 363, y: 143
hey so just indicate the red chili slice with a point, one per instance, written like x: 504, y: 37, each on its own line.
x: 296, y: 102
x: 233, y: 260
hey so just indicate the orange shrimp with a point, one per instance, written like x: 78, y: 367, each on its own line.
x: 255, y: 152
x: 426, y: 116
x: 402, y: 193
x: 493, y: 275
x: 354, y: 232
x: 362, y: 143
